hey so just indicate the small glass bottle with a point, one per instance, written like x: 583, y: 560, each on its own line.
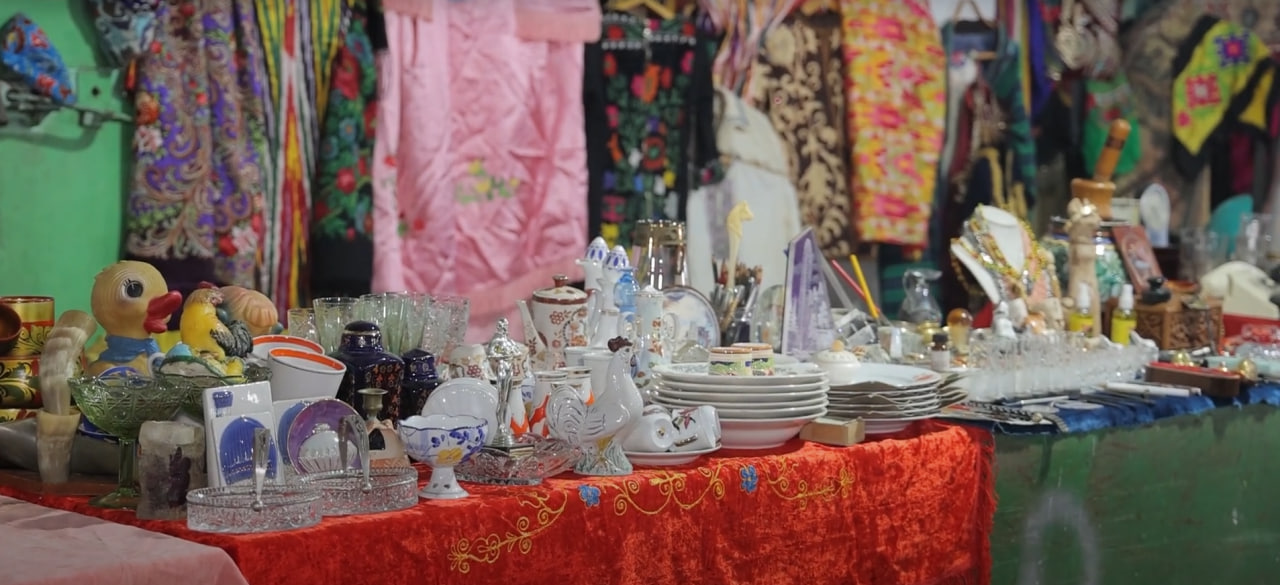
x: 959, y: 324
x: 940, y: 353
x: 1081, y: 318
x: 624, y: 293
x: 1123, y: 319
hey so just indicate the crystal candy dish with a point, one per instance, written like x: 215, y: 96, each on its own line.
x: 343, y: 492
x: 231, y: 510
x: 193, y: 387
x: 532, y: 460
x: 119, y: 405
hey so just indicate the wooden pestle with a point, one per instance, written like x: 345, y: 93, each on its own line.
x: 1100, y: 189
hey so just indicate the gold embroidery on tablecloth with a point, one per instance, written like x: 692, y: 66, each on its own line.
x: 489, y: 548
x: 670, y: 485
x: 787, y: 486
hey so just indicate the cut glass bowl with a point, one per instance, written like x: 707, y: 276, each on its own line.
x: 230, y: 510
x: 343, y: 493
x: 533, y: 460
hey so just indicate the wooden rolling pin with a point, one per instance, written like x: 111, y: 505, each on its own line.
x: 1100, y: 189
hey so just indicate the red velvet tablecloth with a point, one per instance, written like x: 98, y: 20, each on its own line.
x: 912, y: 510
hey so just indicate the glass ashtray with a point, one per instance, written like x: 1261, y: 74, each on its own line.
x: 390, y: 489
x: 230, y: 510
x: 533, y: 459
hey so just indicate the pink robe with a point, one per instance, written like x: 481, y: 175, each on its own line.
x: 480, y: 174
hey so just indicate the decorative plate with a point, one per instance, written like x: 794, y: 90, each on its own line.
x: 329, y: 411
x: 668, y: 459
x: 235, y: 450
x: 282, y: 426
x: 696, y: 320
x: 784, y: 374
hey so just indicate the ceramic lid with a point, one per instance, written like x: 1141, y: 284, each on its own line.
x: 835, y: 355
x: 560, y: 293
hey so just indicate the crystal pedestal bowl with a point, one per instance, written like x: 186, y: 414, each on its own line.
x: 119, y: 405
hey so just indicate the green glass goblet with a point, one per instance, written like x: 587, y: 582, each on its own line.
x: 119, y: 405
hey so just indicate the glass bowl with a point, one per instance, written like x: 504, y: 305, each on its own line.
x: 532, y: 460
x: 230, y: 510
x: 391, y: 488
x: 193, y: 387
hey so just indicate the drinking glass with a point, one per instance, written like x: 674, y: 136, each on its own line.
x: 1200, y: 251
x: 386, y: 310
x: 332, y: 314
x: 458, y: 310
x: 414, y: 320
x: 1253, y: 242
x: 302, y: 323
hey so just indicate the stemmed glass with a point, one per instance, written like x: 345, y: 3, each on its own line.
x: 119, y: 405
x: 332, y: 316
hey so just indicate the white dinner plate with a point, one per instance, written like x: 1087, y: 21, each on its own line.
x: 721, y: 406
x: 741, y: 387
x: 738, y: 397
x: 883, y: 414
x: 784, y: 374
x: 759, y: 434
x: 893, y: 376
x: 669, y: 458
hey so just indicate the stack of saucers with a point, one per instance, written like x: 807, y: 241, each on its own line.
x: 887, y: 397
x: 756, y: 412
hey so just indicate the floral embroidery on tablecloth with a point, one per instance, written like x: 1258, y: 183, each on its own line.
x: 480, y: 186
x: 750, y: 479
x: 590, y: 495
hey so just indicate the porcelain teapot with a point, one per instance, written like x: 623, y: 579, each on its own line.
x: 558, y: 315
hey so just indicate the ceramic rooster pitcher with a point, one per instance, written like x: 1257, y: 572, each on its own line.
x: 558, y: 315
x: 655, y: 329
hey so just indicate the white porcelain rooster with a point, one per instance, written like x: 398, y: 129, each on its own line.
x: 595, y: 427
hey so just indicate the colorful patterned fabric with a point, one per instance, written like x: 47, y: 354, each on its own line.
x: 1218, y: 70
x: 654, y: 94
x: 300, y: 39
x: 1110, y: 100
x: 195, y: 205
x: 126, y: 28
x: 796, y: 81
x: 895, y: 91
x: 342, y: 213
x: 27, y: 57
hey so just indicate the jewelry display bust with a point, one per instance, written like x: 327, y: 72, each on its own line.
x: 1002, y: 255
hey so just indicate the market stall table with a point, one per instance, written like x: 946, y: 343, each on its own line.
x: 1181, y: 491
x: 42, y: 546
x: 910, y: 510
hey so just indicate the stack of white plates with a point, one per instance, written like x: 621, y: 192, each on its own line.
x: 887, y: 397
x: 756, y: 412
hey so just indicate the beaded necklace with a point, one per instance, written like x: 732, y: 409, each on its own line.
x: 977, y: 240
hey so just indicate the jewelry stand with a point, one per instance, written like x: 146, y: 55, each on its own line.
x: 1009, y: 235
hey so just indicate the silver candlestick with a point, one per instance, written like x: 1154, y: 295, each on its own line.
x: 503, y: 353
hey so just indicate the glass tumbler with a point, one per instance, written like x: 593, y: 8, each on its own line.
x: 458, y: 310
x: 332, y: 314
x: 302, y: 323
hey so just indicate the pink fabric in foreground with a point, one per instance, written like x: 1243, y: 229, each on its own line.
x: 42, y: 546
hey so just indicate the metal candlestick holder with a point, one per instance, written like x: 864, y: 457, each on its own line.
x: 372, y: 400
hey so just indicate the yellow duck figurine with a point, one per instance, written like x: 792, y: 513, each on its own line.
x: 132, y: 301
x: 210, y: 333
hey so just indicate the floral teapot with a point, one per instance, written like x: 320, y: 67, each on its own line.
x: 556, y: 318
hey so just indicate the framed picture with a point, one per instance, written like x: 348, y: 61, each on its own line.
x: 1138, y: 256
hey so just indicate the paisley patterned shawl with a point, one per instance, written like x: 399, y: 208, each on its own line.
x: 194, y: 207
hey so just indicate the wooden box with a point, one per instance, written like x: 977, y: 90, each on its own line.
x: 1173, y: 325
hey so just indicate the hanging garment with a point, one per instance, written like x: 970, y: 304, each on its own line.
x: 126, y: 31
x: 300, y: 39
x: 1223, y: 75
x: 342, y: 214
x: 797, y: 82
x: 194, y: 208
x: 480, y: 160
x: 28, y: 58
x: 654, y: 94
x: 1110, y: 100
x: 756, y: 174
x: 895, y: 91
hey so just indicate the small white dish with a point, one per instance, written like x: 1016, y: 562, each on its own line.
x: 297, y: 374
x: 668, y: 459
x: 841, y: 366
x: 760, y: 434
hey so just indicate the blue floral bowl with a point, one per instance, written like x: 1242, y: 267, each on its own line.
x: 442, y: 441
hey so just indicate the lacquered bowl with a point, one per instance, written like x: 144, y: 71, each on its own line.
x: 10, y: 327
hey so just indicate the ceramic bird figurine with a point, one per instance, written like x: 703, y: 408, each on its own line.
x: 211, y: 334
x: 596, y: 427
x: 132, y: 301
x: 250, y: 307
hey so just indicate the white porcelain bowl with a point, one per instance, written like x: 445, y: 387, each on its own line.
x: 263, y: 344
x: 298, y: 374
x: 757, y: 435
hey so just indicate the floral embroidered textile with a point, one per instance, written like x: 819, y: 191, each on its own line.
x: 1218, y: 72
x: 895, y: 95
x: 342, y: 210
x: 653, y: 93
x: 27, y: 56
x: 194, y: 209
x: 126, y: 28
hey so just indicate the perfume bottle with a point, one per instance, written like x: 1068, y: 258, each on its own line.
x: 1123, y: 319
x: 369, y: 366
x: 1081, y: 318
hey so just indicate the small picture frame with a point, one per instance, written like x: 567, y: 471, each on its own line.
x: 1138, y: 255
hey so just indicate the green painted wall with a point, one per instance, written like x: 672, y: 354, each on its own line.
x: 61, y: 187
x: 1187, y: 500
